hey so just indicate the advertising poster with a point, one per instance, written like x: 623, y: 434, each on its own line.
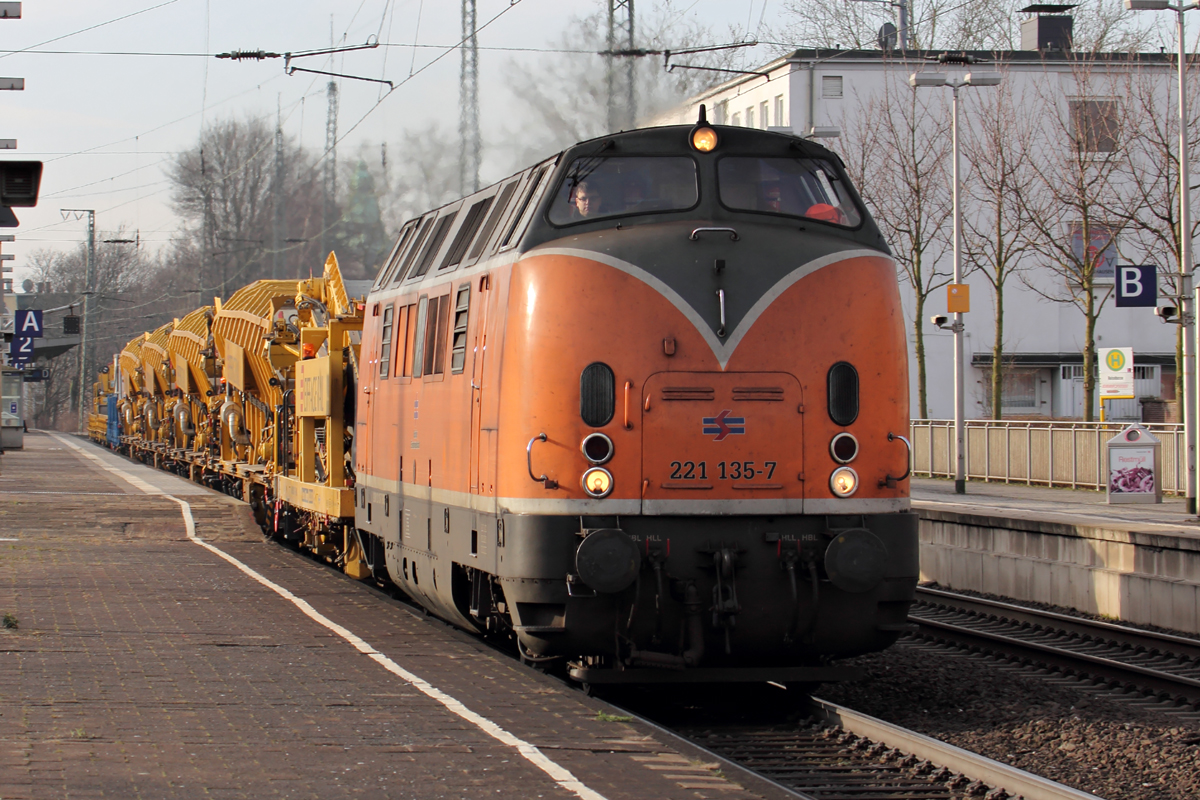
x: 1131, y: 470
x: 1101, y: 250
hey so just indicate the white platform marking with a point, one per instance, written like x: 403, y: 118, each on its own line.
x: 560, y: 775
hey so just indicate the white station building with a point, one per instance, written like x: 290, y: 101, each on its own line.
x: 826, y: 93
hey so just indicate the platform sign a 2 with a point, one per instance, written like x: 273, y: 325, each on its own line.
x: 1137, y: 286
x: 1116, y: 373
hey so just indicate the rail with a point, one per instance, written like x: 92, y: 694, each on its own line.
x: 1037, y: 453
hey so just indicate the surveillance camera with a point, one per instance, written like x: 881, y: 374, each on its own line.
x: 939, y: 319
x: 1166, y: 313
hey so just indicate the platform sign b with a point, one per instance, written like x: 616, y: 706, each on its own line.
x: 1137, y: 286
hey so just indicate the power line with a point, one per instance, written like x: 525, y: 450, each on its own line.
x: 31, y: 47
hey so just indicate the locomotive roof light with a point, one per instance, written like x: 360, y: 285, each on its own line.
x: 702, y: 137
x: 598, y: 482
x: 597, y: 448
x: 843, y: 482
x: 844, y: 448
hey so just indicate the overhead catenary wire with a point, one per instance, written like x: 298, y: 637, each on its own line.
x: 32, y: 47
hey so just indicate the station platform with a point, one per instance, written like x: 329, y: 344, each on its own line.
x: 1079, y: 506
x: 163, y: 649
x: 1064, y: 547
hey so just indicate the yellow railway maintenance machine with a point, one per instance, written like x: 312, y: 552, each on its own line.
x: 255, y: 397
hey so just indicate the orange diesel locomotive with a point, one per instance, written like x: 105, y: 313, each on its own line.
x: 641, y: 405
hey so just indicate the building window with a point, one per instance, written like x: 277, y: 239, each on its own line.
x: 1072, y: 372
x: 1019, y: 390
x: 831, y: 87
x: 750, y: 117
x: 737, y: 119
x: 1095, y: 125
x: 779, y: 110
x: 764, y: 115
x: 721, y: 112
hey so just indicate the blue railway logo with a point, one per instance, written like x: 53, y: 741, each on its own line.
x: 723, y: 425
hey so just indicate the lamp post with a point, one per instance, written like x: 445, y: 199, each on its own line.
x: 937, y: 79
x: 1188, y: 302
x: 88, y: 287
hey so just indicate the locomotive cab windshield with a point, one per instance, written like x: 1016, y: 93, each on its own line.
x: 796, y: 187
x: 595, y: 188
x: 600, y: 187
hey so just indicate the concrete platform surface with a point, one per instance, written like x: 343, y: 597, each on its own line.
x: 148, y: 663
x: 1071, y: 506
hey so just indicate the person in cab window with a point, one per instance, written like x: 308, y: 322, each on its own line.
x: 772, y: 197
x: 587, y: 200
x: 826, y: 213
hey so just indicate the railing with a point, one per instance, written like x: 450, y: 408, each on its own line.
x: 1066, y: 454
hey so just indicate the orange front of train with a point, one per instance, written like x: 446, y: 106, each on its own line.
x: 703, y: 401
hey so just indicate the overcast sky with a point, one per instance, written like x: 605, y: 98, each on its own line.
x: 113, y: 89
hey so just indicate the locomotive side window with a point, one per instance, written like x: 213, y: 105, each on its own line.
x: 388, y: 273
x: 534, y: 182
x: 437, y: 323
x: 385, y: 342
x: 498, y: 209
x: 466, y: 233
x: 418, y: 359
x: 441, y: 335
x: 433, y: 245
x: 843, y: 393
x: 595, y: 188
x: 458, y: 348
x: 404, y: 354
x: 401, y: 327
x: 795, y: 187
x: 418, y: 239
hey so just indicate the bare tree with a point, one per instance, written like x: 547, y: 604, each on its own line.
x: 995, y: 234
x: 1079, y: 202
x: 899, y: 155
x: 426, y: 177
x: 133, y: 293
x: 564, y: 98
x: 224, y: 190
x: 1099, y: 25
x: 1151, y: 165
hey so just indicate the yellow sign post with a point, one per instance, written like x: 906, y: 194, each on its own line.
x: 958, y: 298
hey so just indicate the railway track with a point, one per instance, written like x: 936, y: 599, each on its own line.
x: 1123, y: 658
x: 831, y: 753
x: 839, y: 754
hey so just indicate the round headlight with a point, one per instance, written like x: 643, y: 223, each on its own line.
x: 597, y: 448
x: 844, y: 448
x: 597, y: 482
x: 843, y: 482
x: 704, y: 139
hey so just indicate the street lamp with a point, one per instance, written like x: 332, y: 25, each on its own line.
x: 1186, y: 265
x: 937, y: 79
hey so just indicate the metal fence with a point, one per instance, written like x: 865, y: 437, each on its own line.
x: 1037, y: 453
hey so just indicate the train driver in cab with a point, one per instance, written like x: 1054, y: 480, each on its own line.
x: 586, y: 200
